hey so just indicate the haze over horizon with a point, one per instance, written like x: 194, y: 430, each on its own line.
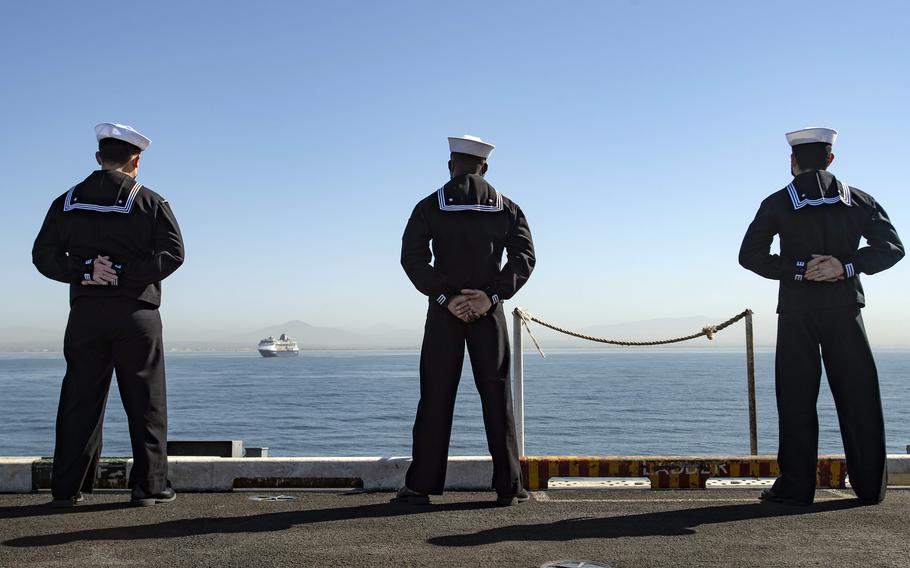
x: 384, y: 336
x: 293, y: 142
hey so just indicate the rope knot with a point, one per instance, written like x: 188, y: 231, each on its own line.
x: 709, y: 331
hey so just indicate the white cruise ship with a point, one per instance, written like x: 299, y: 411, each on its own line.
x: 284, y: 346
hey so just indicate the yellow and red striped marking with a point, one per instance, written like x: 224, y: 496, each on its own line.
x: 676, y: 472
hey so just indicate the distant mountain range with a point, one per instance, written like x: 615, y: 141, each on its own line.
x: 316, y: 337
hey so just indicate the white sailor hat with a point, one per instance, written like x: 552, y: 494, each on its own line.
x: 471, y: 145
x: 810, y: 135
x: 121, y: 132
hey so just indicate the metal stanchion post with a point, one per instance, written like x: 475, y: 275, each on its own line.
x: 518, y: 377
x: 750, y: 369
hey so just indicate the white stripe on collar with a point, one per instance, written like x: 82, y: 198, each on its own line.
x: 844, y: 197
x: 474, y: 207
x: 69, y: 204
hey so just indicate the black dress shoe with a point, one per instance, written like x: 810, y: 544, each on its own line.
x: 141, y: 498
x: 67, y: 503
x: 407, y: 496
x: 771, y: 496
x: 507, y: 499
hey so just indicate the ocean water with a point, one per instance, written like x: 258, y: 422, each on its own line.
x: 598, y: 402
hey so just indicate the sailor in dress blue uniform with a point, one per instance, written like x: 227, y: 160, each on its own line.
x: 470, y: 224
x: 113, y: 240
x: 820, y: 221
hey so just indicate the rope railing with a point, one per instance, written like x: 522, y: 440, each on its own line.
x: 523, y: 317
x: 708, y: 331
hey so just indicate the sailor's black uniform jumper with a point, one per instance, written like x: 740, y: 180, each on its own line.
x: 817, y: 214
x: 469, y: 224
x: 110, y: 328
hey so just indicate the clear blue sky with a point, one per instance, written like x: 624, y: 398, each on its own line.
x: 293, y: 139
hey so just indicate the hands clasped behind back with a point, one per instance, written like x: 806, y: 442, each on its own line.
x: 824, y: 268
x: 103, y: 273
x: 470, y: 305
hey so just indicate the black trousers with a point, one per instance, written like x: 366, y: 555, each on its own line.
x: 104, y: 335
x: 854, y: 383
x: 441, y: 360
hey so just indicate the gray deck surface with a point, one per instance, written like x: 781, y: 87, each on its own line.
x: 619, y: 528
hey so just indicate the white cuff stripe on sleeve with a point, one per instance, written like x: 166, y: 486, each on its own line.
x: 441, y: 299
x: 495, y: 298
x: 848, y: 268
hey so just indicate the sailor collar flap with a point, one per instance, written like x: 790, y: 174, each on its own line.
x: 86, y: 195
x: 805, y: 187
x: 469, y: 193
